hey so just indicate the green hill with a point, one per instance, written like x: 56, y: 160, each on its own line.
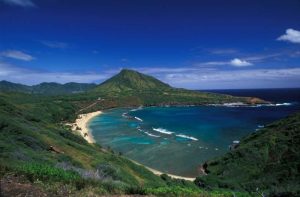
x: 46, y: 88
x: 267, y: 161
x: 129, y: 80
x: 131, y: 88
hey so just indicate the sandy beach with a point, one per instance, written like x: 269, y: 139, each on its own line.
x: 81, y: 125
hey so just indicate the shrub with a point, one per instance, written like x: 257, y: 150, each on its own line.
x: 46, y: 172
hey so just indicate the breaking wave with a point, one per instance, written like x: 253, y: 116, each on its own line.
x: 164, y: 131
x: 137, y: 118
x: 187, y: 137
x: 136, y: 109
x: 150, y: 134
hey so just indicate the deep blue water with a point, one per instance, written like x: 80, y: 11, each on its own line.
x: 178, y: 139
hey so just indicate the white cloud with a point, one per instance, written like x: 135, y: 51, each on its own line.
x: 239, y: 63
x: 16, y: 55
x: 54, y: 44
x: 214, y: 78
x: 234, y: 62
x: 22, y: 3
x: 291, y: 35
x: 250, y: 78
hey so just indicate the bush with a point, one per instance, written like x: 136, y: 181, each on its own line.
x: 46, y: 172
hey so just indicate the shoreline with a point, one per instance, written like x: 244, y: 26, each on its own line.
x: 158, y: 173
x: 82, y: 123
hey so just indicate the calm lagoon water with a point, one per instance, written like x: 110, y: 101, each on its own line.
x: 178, y: 139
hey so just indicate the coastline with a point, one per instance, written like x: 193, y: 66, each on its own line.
x: 81, y: 125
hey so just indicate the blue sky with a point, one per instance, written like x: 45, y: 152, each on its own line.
x: 209, y: 44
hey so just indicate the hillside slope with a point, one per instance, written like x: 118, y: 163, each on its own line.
x: 267, y: 161
x: 33, y: 143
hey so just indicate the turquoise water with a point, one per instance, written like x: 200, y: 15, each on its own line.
x: 178, y: 140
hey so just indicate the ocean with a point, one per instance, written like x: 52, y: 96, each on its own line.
x: 178, y: 140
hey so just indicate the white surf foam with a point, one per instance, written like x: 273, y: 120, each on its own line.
x: 150, y: 134
x: 136, y: 109
x: 164, y: 131
x: 239, y: 104
x: 187, y: 137
x: 137, y: 118
x: 283, y: 104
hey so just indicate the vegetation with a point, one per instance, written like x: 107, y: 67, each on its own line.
x: 266, y: 162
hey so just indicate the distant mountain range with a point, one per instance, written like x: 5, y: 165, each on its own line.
x: 47, y: 88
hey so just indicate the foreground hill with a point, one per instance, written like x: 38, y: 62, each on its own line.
x: 46, y: 88
x: 133, y: 88
x: 267, y: 161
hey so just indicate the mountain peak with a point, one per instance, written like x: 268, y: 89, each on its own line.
x: 128, y: 79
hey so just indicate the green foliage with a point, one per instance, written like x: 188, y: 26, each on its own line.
x: 267, y: 161
x: 47, y: 173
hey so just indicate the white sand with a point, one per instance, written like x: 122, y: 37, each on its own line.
x: 81, y: 125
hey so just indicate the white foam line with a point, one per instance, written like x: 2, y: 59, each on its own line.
x: 245, y: 105
x: 161, y: 130
x: 187, y: 137
x: 138, y: 119
x: 150, y: 134
x: 136, y: 109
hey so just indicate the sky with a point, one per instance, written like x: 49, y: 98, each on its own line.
x: 207, y: 44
